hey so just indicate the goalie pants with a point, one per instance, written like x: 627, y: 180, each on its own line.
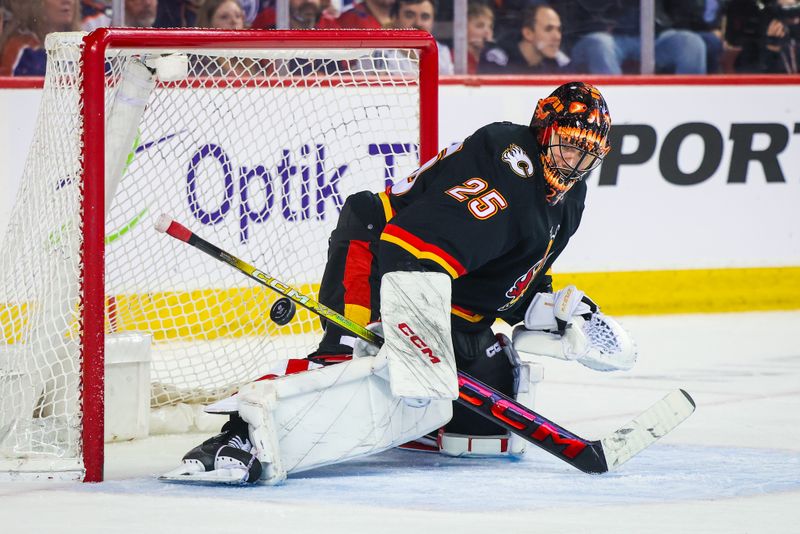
x: 351, y: 286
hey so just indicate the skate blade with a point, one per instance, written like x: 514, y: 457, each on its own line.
x: 188, y: 474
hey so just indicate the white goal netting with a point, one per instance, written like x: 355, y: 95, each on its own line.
x: 253, y: 149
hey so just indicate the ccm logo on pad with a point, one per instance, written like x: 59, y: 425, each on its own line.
x: 417, y: 341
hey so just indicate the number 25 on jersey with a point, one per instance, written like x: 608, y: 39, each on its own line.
x: 481, y: 205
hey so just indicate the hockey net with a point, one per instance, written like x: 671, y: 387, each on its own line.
x: 254, y: 146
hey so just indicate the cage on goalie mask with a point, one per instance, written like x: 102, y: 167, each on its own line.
x: 572, y: 126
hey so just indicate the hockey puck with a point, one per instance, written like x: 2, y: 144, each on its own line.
x: 282, y: 311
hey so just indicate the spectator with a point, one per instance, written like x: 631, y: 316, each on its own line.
x: 221, y: 14
x: 765, y: 35
x: 537, y: 48
x: 22, y: 52
x: 369, y: 14
x: 483, y: 57
x: 303, y: 15
x: 703, y: 17
x: 508, y: 15
x: 607, y: 36
x: 420, y: 14
x: 138, y: 14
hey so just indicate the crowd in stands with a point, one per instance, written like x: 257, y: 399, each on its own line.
x: 503, y: 36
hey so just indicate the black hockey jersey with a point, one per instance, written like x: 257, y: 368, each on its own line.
x: 478, y: 212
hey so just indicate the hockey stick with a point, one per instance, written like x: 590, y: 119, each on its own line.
x: 590, y: 456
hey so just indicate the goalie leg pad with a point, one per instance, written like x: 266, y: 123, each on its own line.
x: 257, y: 407
x: 418, y: 345
x: 329, y: 415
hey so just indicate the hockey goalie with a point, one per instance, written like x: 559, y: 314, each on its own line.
x: 431, y: 264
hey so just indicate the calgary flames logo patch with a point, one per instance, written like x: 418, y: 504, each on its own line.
x: 521, y: 284
x: 518, y: 160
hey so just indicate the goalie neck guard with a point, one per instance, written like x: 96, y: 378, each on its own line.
x: 572, y: 127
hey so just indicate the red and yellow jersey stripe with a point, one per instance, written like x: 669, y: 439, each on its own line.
x: 388, y: 210
x: 465, y: 314
x: 422, y: 250
x: 357, y: 290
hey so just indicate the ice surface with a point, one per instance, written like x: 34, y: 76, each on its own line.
x: 733, y: 466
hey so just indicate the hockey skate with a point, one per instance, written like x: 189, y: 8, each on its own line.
x: 226, y: 458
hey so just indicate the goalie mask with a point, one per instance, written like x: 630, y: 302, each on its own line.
x: 572, y: 127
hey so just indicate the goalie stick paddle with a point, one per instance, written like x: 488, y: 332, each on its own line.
x: 590, y: 456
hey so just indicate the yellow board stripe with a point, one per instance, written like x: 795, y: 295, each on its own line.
x: 196, y: 315
x: 689, y: 291
x: 240, y: 312
x: 414, y: 251
x: 205, y: 314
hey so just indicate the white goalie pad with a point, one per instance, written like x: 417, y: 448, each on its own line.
x: 324, y: 416
x: 599, y: 343
x: 418, y: 346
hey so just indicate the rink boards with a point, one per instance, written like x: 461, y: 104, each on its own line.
x: 692, y: 212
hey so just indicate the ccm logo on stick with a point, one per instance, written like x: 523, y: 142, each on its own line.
x: 530, y: 423
x: 417, y: 341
